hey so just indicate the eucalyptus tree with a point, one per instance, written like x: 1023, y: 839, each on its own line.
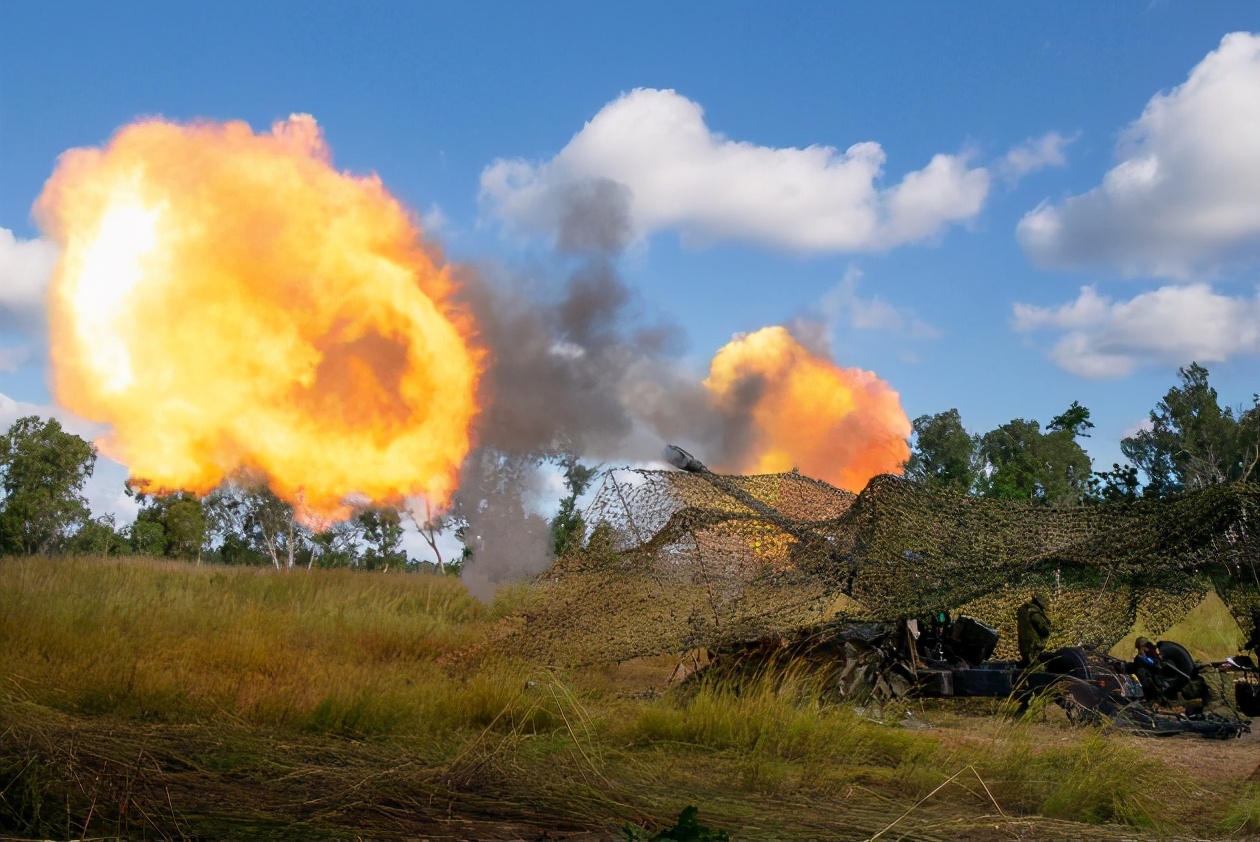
x: 1192, y: 442
x: 42, y: 472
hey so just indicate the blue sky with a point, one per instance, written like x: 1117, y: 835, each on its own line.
x: 1079, y: 219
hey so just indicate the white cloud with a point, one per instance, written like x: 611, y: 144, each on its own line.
x: 11, y: 410
x: 1171, y: 325
x: 682, y: 176
x: 105, y: 495
x: 25, y: 266
x: 1035, y: 154
x: 842, y: 306
x: 1137, y: 427
x: 1184, y: 199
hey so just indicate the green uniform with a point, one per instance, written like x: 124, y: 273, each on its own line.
x: 1033, y: 627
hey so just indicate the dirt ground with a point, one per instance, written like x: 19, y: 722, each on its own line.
x: 1209, y: 760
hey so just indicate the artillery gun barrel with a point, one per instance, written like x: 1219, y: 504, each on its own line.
x: 683, y: 460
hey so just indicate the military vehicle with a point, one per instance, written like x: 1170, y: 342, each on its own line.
x: 941, y: 657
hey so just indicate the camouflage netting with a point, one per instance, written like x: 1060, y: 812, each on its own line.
x: 678, y: 560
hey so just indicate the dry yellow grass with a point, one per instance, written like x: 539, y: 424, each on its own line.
x: 242, y: 703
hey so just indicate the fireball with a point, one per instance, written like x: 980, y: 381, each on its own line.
x: 841, y: 425
x: 228, y: 302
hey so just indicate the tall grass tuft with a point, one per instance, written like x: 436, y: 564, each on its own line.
x: 327, y: 651
x: 1243, y: 816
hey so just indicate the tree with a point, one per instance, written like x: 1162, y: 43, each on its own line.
x: 99, y: 536
x: 147, y: 537
x: 567, y: 527
x: 1192, y: 442
x: 1118, y: 484
x: 1075, y: 421
x: 1023, y: 463
x: 42, y: 473
x: 337, y: 545
x: 251, y: 524
x: 167, y: 524
x: 1247, y: 443
x: 944, y: 453
x: 1009, y: 454
x: 382, y: 538
x: 434, y: 525
x: 185, y: 525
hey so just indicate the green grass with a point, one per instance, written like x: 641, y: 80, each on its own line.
x: 1243, y: 817
x: 166, y: 700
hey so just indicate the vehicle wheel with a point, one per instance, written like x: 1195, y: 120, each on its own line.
x: 1079, y: 700
x: 1069, y: 660
x: 1177, y: 656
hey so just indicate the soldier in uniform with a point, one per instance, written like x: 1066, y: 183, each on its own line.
x: 1032, y: 628
x: 1148, y: 667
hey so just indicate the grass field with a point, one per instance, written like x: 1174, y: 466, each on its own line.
x: 167, y: 701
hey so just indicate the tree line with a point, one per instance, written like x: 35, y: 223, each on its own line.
x: 1190, y: 442
x: 43, y: 470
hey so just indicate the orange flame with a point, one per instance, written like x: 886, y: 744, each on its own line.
x: 228, y: 302
x: 842, y: 425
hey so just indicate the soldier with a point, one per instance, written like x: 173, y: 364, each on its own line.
x: 1148, y: 667
x: 1033, y: 627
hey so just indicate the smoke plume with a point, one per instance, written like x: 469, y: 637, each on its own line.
x: 580, y: 371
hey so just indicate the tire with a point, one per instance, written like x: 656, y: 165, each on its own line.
x: 1178, y: 657
x: 1069, y: 660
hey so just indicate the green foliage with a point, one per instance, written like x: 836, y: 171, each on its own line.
x: 185, y: 524
x: 42, y: 472
x: 336, y: 546
x: 1017, y: 461
x: 1074, y: 420
x: 1120, y: 484
x: 1023, y: 463
x: 100, y: 536
x: 944, y: 453
x: 147, y: 537
x: 567, y: 527
x: 167, y: 524
x: 249, y: 524
x: 381, y: 530
x: 1193, y: 442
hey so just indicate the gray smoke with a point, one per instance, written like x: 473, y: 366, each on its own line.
x: 564, y: 356
x: 508, y: 541
x: 593, y: 217
x: 575, y: 368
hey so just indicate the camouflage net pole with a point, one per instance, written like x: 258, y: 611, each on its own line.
x: 678, y: 560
